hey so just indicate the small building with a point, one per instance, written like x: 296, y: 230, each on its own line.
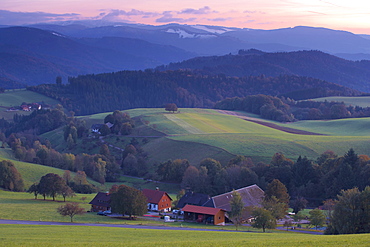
x: 95, y: 128
x: 158, y: 200
x: 101, y: 202
x: 206, y: 215
x: 191, y: 198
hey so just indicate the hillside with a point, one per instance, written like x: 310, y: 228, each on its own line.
x: 195, y: 134
x: 140, y: 89
x: 313, y: 64
x: 33, y: 56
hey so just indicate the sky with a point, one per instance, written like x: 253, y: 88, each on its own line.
x: 348, y: 15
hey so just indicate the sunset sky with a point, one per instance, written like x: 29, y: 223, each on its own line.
x: 353, y: 16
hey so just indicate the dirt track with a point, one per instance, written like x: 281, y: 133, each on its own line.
x: 270, y: 125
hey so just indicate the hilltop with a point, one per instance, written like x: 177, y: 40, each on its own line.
x: 315, y: 64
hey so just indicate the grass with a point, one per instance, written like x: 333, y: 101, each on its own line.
x: 355, y: 101
x: 11, y: 98
x: 195, y: 134
x: 26, y: 235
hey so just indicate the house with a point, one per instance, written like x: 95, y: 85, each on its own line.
x: 205, y: 215
x: 95, y: 128
x: 191, y: 198
x: 101, y: 202
x: 158, y: 200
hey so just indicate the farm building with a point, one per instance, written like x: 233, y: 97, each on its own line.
x: 252, y: 196
x: 206, y: 215
x: 158, y: 200
x: 191, y: 198
x: 101, y: 202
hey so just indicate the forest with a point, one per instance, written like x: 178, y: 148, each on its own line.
x: 90, y: 94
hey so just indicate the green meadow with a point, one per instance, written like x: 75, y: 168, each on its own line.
x: 195, y: 134
x: 363, y: 101
x: 36, y: 235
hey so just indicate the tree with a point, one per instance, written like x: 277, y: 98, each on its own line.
x: 34, y: 189
x: 51, y: 185
x: 10, y: 178
x: 317, y: 217
x: 67, y: 192
x: 351, y: 212
x: 237, y: 206
x: 171, y: 107
x: 263, y: 219
x: 276, y: 199
x: 287, y: 224
x: 128, y: 200
x: 58, y: 80
x: 298, y: 204
x: 71, y: 209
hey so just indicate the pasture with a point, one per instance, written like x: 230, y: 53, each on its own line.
x: 363, y: 101
x: 38, y: 235
x: 195, y: 134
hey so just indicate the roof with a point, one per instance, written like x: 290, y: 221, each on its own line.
x: 201, y: 210
x: 154, y: 196
x: 192, y: 199
x: 251, y: 196
x: 101, y: 199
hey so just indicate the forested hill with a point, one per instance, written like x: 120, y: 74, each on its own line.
x: 314, y: 64
x: 90, y: 94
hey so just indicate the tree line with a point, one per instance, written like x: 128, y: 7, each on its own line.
x: 311, y: 180
x: 287, y: 110
x: 90, y: 94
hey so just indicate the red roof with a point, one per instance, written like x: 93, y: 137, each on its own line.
x: 154, y: 196
x: 201, y: 210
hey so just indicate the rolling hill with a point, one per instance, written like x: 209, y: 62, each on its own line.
x: 33, y: 56
x: 195, y: 134
x: 313, y: 64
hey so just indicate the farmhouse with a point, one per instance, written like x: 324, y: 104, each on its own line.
x: 101, y: 202
x: 252, y: 196
x: 204, y: 215
x: 191, y: 198
x: 158, y: 200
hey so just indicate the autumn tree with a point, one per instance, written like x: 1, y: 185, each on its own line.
x: 10, y: 178
x: 128, y: 200
x: 51, y: 185
x: 171, y: 107
x: 71, y: 209
x: 276, y: 199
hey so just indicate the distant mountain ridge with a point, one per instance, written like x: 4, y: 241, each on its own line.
x: 41, y: 52
x: 315, y: 64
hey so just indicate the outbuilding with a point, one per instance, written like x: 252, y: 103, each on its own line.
x: 206, y: 215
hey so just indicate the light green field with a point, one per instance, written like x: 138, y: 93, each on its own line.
x: 195, y: 134
x: 26, y: 235
x: 355, y: 101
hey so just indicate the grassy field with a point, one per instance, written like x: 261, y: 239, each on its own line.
x: 195, y: 134
x: 26, y: 235
x: 16, y: 97
x: 355, y: 101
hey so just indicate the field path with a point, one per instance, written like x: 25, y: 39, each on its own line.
x: 270, y: 125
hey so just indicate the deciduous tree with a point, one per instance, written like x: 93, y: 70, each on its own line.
x: 71, y: 209
x: 237, y: 207
x: 263, y: 219
x: 128, y: 200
